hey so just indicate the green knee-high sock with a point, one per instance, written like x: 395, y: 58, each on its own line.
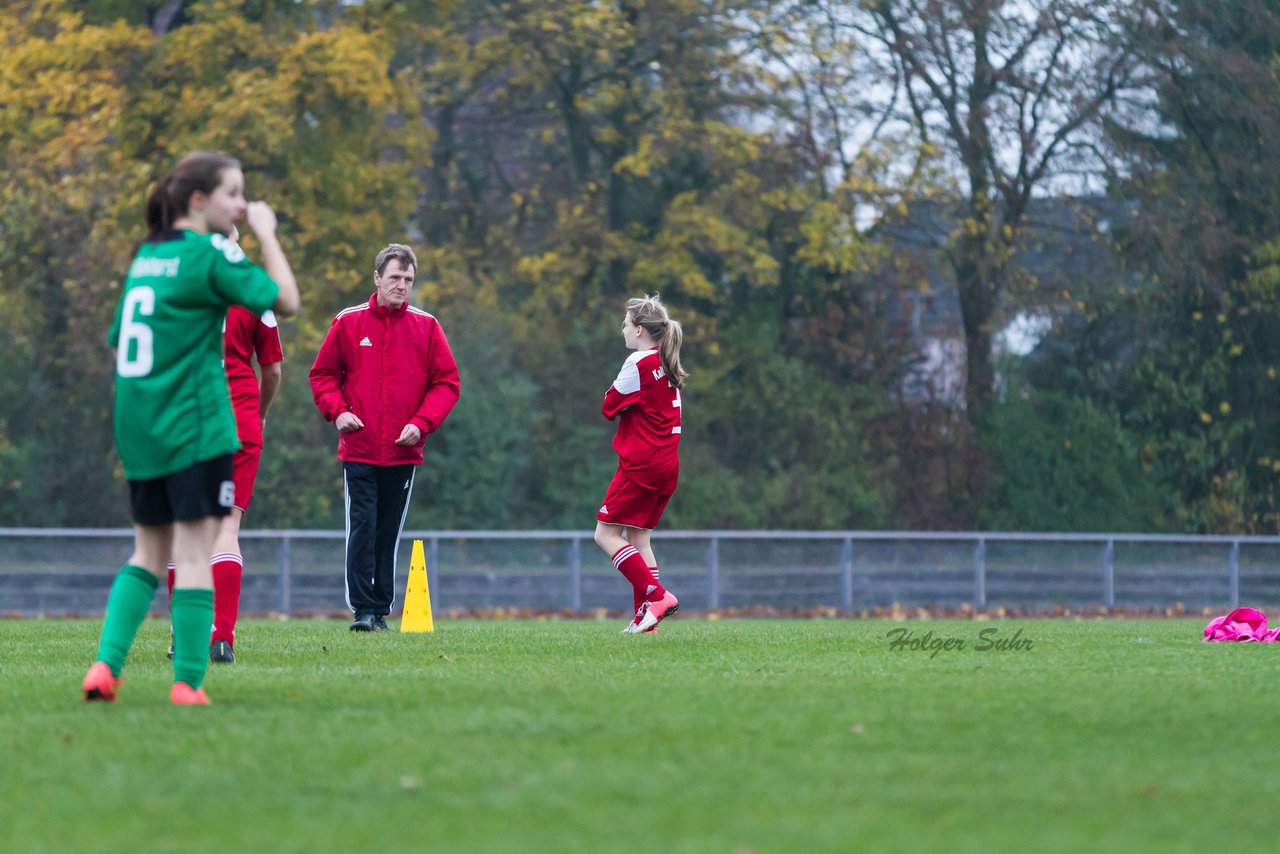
x: 192, y: 617
x: 127, y: 606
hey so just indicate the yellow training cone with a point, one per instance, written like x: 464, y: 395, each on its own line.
x: 417, y: 596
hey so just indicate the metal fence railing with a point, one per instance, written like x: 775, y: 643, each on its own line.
x: 68, y: 571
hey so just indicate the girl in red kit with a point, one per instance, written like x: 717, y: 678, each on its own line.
x: 645, y: 398
x: 244, y: 336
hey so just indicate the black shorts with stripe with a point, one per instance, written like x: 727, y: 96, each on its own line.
x: 202, y: 490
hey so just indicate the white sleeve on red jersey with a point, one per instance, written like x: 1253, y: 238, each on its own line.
x: 266, y: 339
x: 626, y: 388
x: 628, y: 381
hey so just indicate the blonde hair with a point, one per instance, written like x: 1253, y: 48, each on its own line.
x: 651, y: 315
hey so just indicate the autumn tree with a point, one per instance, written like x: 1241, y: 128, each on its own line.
x: 591, y: 151
x: 324, y: 131
x: 1012, y: 95
x: 1202, y: 386
x: 68, y: 187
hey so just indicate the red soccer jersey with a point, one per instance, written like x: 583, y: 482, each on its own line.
x: 647, y: 407
x: 246, y: 335
x: 389, y: 367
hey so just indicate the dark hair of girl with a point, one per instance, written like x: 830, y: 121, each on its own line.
x: 170, y: 198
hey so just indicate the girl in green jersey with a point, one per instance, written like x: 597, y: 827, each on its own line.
x: 174, y: 428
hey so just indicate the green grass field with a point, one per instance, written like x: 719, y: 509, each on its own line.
x: 733, y: 736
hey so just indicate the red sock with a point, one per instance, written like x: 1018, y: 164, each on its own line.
x: 227, y: 569
x: 637, y: 599
x: 628, y: 561
x: 173, y: 570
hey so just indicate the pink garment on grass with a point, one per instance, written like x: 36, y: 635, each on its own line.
x: 1242, y: 624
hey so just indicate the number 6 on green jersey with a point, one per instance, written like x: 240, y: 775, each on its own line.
x: 136, y: 355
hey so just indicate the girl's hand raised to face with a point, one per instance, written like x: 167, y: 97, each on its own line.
x: 261, y: 218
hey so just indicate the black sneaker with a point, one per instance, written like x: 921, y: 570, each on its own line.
x: 220, y: 653
x: 380, y: 625
x: 365, y: 623
x: 171, y: 643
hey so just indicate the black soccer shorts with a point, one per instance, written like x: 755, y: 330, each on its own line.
x: 202, y: 490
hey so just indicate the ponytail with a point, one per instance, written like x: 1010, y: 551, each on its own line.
x: 651, y: 314
x: 669, y: 353
x: 170, y: 198
x: 160, y: 214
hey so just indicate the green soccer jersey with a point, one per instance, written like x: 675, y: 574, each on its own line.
x: 172, y: 407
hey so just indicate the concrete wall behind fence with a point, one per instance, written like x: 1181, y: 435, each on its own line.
x: 69, y: 571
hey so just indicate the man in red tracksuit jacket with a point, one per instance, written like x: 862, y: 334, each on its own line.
x: 386, y: 379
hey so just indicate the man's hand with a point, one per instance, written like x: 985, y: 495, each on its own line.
x: 348, y: 422
x: 410, y: 435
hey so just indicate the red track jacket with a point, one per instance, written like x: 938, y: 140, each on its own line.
x: 390, y: 367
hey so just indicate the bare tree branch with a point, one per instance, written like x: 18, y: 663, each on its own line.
x: 165, y: 16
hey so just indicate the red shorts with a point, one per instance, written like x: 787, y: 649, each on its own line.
x: 245, y: 472
x: 629, y: 504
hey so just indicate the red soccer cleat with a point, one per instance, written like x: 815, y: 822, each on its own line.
x: 183, y: 694
x: 100, y: 684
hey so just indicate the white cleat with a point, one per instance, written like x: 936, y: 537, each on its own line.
x: 656, y: 612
